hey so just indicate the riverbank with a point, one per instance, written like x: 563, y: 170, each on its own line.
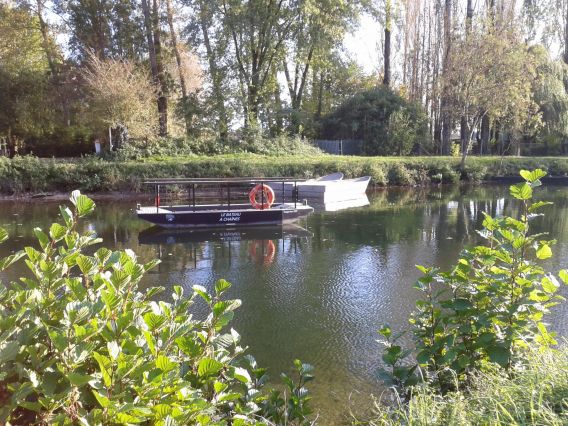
x: 29, y: 175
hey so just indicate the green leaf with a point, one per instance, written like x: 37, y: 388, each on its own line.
x: 150, y: 341
x: 67, y: 215
x: 423, y: 357
x: 79, y: 380
x: 165, y: 364
x: 3, y: 235
x: 544, y: 252
x: 82, y: 203
x: 220, y: 386
x: 9, y: 351
x: 532, y: 176
x: 538, y: 205
x: 221, y: 286
x: 385, y: 331
x: 202, y: 291
x: 550, y: 284
x: 188, y: 346
x: 103, y: 400
x: 499, y: 355
x: 563, y: 274
x: 86, y: 264
x: 241, y: 375
x: 57, y: 231
x: 105, y: 367
x: 154, y: 321
x: 208, y: 367
x: 521, y: 191
x: 42, y: 238
x: 10, y: 260
x: 113, y: 349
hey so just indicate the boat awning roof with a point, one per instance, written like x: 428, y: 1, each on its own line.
x: 190, y: 181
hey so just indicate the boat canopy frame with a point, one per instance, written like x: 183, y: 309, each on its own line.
x: 191, y: 183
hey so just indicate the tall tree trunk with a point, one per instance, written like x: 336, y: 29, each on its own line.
x: 182, y: 83
x: 485, y: 136
x: 150, y: 41
x: 163, y: 87
x: 464, y: 131
x: 469, y: 16
x: 320, y: 95
x: 565, y: 57
x: 387, y: 52
x: 45, y: 38
x: 445, y: 107
x: 216, y: 75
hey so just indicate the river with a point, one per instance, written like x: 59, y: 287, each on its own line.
x: 319, y: 290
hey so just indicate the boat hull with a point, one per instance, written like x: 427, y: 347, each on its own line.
x: 219, y: 218
x: 325, y: 191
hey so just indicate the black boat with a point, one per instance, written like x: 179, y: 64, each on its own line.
x: 158, y: 235
x: 229, y: 210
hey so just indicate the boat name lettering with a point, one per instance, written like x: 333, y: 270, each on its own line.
x: 230, y: 217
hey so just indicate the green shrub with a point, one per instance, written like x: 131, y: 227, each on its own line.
x: 487, y: 310
x: 399, y: 174
x: 30, y: 174
x: 81, y: 344
x: 207, y: 146
x: 387, y: 123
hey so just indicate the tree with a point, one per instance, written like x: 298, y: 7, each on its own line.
x: 24, y: 71
x: 121, y: 95
x: 490, y: 75
x: 314, y: 36
x: 257, y: 29
x: 188, y: 71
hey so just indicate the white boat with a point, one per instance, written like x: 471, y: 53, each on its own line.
x: 333, y: 206
x: 327, y: 189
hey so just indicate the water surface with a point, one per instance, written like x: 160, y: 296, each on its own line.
x: 320, y: 290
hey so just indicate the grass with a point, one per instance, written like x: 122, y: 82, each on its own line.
x: 31, y: 174
x: 534, y: 394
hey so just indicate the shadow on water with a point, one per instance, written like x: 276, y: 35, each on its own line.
x: 320, y: 289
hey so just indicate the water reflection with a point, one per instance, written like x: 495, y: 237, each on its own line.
x: 318, y: 292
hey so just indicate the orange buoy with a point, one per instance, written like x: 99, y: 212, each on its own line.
x: 268, y: 250
x: 268, y: 196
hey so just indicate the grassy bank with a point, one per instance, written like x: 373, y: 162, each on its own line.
x: 536, y: 394
x: 30, y: 174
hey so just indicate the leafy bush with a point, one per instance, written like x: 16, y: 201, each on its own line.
x: 487, y: 310
x: 207, y: 146
x: 80, y: 343
x: 30, y: 174
x: 386, y: 122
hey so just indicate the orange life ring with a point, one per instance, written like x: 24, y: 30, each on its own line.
x: 268, y: 250
x: 268, y: 196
